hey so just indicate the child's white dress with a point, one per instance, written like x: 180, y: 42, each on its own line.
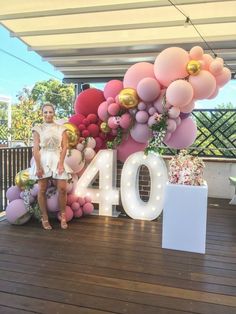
x: 50, y: 135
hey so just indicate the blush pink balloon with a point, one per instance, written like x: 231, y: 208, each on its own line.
x: 173, y: 112
x: 140, y: 132
x: 136, y: 73
x: 71, y: 198
x: 102, y: 111
x: 151, y: 120
x: 81, y: 201
x: 158, y: 104
x: 127, y: 147
x: 196, y: 53
x: 170, y: 65
x: 78, y: 213
x: 88, y: 208
x: 113, y: 122
x: 141, y: 116
x: 179, y: 93
x: 207, y: 59
x: 112, y: 88
x: 125, y: 121
x: 184, y: 135
x: 224, y: 77
x: 203, y: 84
x: 152, y: 110
x: 74, y: 159
x: 113, y: 109
x: 188, y: 108
x: 214, y: 94
x: 75, y: 206
x: 171, y: 125
x: 148, y: 89
x: 216, y: 67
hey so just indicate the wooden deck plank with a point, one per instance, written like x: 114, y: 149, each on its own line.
x: 116, y: 265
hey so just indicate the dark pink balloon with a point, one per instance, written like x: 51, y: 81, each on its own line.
x: 88, y: 101
x: 77, y: 119
x: 136, y: 73
x: 112, y: 88
x: 184, y: 135
x: 127, y: 147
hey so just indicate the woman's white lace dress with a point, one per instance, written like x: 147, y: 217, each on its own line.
x: 50, y: 135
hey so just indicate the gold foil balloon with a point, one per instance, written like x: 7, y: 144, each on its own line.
x: 128, y: 98
x: 104, y: 127
x: 73, y: 134
x: 22, y: 178
x: 193, y: 67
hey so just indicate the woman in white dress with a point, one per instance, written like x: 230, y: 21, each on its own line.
x: 49, y: 151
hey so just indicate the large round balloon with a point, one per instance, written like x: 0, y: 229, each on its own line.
x: 74, y: 159
x: 136, y: 73
x: 179, y: 93
x: 184, y: 135
x: 112, y: 88
x: 170, y: 65
x: 204, y: 84
x: 148, y: 89
x: 88, y: 101
x: 72, y: 134
x: 13, y: 193
x: 140, y: 132
x: 127, y: 147
x: 16, y: 212
x: 224, y: 77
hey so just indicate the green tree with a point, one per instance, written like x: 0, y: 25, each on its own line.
x: 59, y: 94
x: 25, y: 114
x: 3, y: 110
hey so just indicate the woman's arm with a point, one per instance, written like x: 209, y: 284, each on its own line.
x: 36, y: 154
x: 64, y: 144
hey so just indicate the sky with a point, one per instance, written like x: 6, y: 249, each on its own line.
x: 15, y: 74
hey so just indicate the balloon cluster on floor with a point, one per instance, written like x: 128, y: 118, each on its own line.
x: 153, y: 104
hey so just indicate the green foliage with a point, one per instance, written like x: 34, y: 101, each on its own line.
x: 3, y: 110
x: 59, y: 94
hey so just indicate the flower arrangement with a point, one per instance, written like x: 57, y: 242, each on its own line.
x: 186, y: 169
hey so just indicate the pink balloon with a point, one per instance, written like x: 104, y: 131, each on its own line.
x: 216, y: 67
x: 127, y: 147
x: 207, y: 59
x: 81, y: 201
x: 69, y: 186
x: 71, y: 198
x: 167, y: 136
x: 78, y: 213
x: 148, y: 89
x: 112, y: 88
x: 173, y: 112
x: 152, y: 120
x: 113, y: 109
x: 75, y: 206
x: 13, y: 193
x: 224, y: 77
x: 184, y: 135
x: 196, y: 53
x: 214, y: 94
x: 113, y: 122
x: 171, y: 125
x: 136, y: 73
x: 77, y: 119
x: 170, y: 65
x: 89, y: 153
x: 125, y: 121
x: 141, y: 116
x: 141, y: 106
x: 152, y: 110
x: 140, y: 132
x: 69, y: 214
x: 88, y: 199
x: 102, y: 111
x: 88, y: 208
x: 158, y: 104
x: 34, y: 191
x: 203, y: 84
x: 74, y: 160
x: 188, y: 108
x: 178, y: 121
x: 179, y: 93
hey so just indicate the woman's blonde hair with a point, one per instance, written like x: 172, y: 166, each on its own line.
x: 48, y: 104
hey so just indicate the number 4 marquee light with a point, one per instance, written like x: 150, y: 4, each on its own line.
x: 107, y: 194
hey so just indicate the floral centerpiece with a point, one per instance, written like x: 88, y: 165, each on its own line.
x: 186, y: 169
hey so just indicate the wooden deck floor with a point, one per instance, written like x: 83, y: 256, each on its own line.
x: 117, y: 265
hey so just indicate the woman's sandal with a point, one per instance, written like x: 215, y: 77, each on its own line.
x: 45, y: 224
x: 64, y: 224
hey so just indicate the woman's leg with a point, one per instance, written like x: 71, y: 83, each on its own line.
x: 62, y: 197
x: 43, y: 183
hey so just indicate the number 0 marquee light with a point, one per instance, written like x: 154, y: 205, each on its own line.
x: 107, y: 195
